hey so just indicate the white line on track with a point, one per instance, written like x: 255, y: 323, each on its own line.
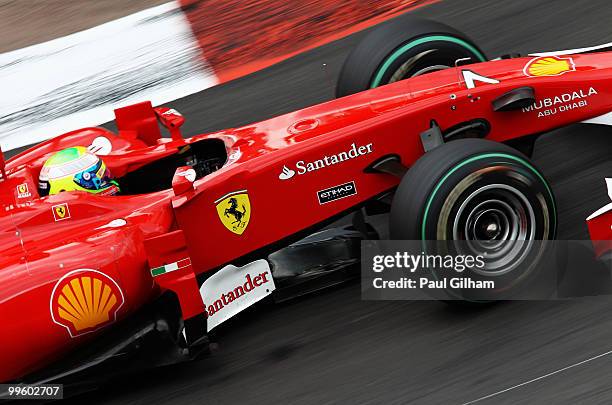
x: 538, y: 378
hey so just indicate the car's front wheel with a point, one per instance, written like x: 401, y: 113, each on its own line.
x: 403, y: 48
x: 480, y: 198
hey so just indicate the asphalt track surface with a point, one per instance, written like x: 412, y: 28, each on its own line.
x: 335, y: 348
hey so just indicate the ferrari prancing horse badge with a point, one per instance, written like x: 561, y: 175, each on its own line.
x: 61, y: 212
x: 234, y: 211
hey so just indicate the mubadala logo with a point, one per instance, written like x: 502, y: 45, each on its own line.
x: 561, y: 103
x: 304, y: 167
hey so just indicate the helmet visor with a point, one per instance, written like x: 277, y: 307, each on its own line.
x: 96, y: 177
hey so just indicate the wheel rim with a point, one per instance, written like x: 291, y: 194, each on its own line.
x: 430, y: 69
x: 401, y: 72
x: 471, y: 160
x: 496, y: 221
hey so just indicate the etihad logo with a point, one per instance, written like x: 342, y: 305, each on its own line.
x: 337, y: 192
x: 84, y: 301
x: 304, y: 167
x: 549, y: 66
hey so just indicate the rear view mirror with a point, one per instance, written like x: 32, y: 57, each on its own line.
x: 171, y: 119
x: 183, y: 179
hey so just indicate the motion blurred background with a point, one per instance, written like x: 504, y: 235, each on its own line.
x: 232, y: 33
x: 29, y: 22
x: 69, y: 64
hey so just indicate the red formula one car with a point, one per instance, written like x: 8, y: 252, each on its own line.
x: 207, y: 226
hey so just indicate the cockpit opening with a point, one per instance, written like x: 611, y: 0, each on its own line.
x: 205, y: 157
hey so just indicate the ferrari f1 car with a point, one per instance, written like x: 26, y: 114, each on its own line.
x: 425, y: 127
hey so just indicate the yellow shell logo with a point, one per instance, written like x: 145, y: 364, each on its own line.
x: 549, y: 66
x: 84, y: 301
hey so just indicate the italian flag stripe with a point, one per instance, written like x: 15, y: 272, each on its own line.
x: 167, y: 268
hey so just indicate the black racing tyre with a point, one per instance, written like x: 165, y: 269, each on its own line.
x: 474, y: 196
x: 401, y: 48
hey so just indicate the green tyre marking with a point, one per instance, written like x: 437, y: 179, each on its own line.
x: 389, y: 61
x: 479, y: 157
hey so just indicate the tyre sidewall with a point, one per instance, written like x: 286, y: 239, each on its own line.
x: 428, y: 199
x: 405, y: 36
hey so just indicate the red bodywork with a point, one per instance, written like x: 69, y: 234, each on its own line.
x: 45, y: 243
x: 600, y: 227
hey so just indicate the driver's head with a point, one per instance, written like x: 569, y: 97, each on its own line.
x: 76, y: 169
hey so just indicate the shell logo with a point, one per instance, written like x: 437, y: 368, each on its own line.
x: 84, y: 301
x: 549, y: 66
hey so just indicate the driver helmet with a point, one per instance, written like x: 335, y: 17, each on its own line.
x: 76, y: 169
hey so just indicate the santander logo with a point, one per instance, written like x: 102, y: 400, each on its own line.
x: 303, y: 167
x: 286, y: 174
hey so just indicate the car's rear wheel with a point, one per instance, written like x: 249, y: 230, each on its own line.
x: 402, y: 48
x: 480, y: 198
